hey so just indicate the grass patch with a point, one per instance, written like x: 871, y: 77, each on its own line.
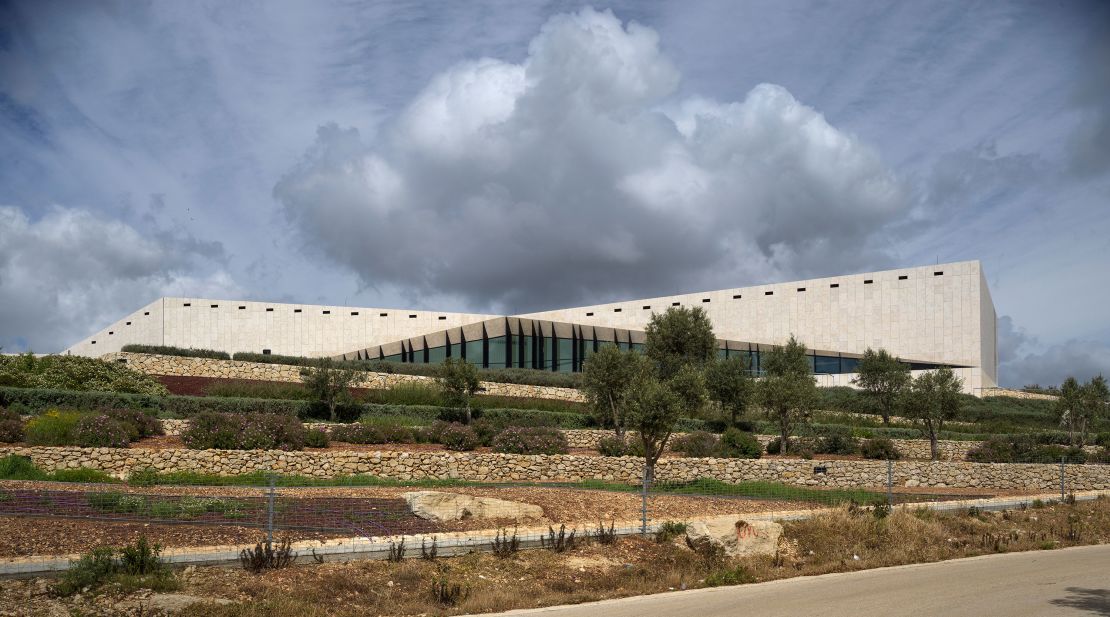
x: 15, y: 467
x: 187, y: 478
x: 755, y: 490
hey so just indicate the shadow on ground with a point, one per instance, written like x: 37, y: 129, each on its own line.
x: 1094, y: 601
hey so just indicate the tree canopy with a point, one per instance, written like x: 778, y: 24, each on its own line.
x: 787, y: 392
x: 681, y: 336
x: 932, y: 399
x: 883, y: 377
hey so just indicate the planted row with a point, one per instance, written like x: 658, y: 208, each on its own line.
x: 103, y: 428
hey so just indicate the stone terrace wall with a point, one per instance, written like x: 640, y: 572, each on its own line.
x: 512, y: 467
x: 1017, y: 394
x: 181, y: 366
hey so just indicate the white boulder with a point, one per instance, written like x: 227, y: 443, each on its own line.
x: 737, y: 537
x: 440, y: 506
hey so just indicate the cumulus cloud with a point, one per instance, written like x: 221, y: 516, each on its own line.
x: 578, y: 173
x: 71, y: 271
x: 1022, y: 360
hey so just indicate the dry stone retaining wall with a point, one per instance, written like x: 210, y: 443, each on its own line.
x: 512, y: 467
x: 181, y: 366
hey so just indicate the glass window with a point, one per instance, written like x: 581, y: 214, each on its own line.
x: 497, y: 352
x: 722, y: 354
x: 456, y: 350
x: 474, y: 352
x: 828, y: 364
x: 437, y: 355
x: 526, y: 361
x: 623, y: 346
x: 416, y: 356
x: 394, y: 358
x: 849, y: 365
x: 638, y: 347
x: 565, y: 362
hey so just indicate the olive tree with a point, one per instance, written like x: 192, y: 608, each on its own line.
x: 932, y: 399
x: 329, y: 384
x: 1078, y: 407
x: 607, y: 379
x: 459, y: 381
x: 884, y: 378
x: 681, y: 336
x: 787, y: 392
x: 652, y: 408
x: 729, y: 386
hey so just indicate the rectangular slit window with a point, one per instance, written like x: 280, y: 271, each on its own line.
x: 867, y: 281
x: 296, y: 310
x: 242, y: 308
x: 129, y: 323
x: 938, y: 273
x: 903, y: 277
x: 676, y: 304
x: 768, y: 293
x: 188, y: 304
x: 269, y: 310
x: 801, y: 289
x: 215, y: 306
x: 736, y: 297
x: 383, y: 314
x: 94, y: 342
x: 443, y: 318
x: 327, y: 312
x: 146, y: 313
x: 265, y: 352
x: 647, y: 307
x: 589, y: 314
x: 705, y: 299
x: 354, y: 313
x: 834, y: 285
x: 111, y: 333
x: 412, y: 316
x: 616, y: 310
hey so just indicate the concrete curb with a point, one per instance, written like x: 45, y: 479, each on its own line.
x: 461, y: 543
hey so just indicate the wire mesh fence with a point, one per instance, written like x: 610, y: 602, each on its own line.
x: 53, y: 518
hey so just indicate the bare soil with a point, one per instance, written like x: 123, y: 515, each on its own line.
x: 837, y: 541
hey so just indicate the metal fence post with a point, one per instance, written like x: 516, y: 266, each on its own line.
x: 643, y: 502
x: 890, y: 482
x: 270, y: 514
x: 1063, y: 491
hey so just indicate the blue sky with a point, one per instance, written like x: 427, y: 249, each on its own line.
x: 513, y: 156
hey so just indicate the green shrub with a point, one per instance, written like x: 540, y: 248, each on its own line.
x: 315, y: 438
x: 138, y: 566
x: 669, y: 530
x: 531, y: 440
x: 836, y: 440
x: 54, y: 428
x: 11, y: 426
x: 14, y: 467
x: 242, y: 388
x: 147, y: 476
x: 774, y: 446
x: 879, y: 449
x: 359, y: 433
x: 613, y: 446
x: 240, y: 432
x: 698, y: 444
x: 457, y: 437
x: 100, y: 431
x: 738, y: 575
x: 90, y: 571
x: 82, y: 474
x: 75, y: 373
x: 735, y: 443
x: 166, y: 350
x: 139, y: 423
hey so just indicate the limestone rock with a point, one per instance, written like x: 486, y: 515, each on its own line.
x: 440, y: 506
x: 738, y: 538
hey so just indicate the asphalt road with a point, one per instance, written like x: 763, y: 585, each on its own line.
x: 1073, y: 581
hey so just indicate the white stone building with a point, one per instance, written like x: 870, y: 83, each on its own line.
x: 928, y: 316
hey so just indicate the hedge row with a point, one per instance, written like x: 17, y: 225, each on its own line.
x: 166, y: 350
x: 35, y: 401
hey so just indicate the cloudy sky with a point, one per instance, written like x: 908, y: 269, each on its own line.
x: 514, y: 156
